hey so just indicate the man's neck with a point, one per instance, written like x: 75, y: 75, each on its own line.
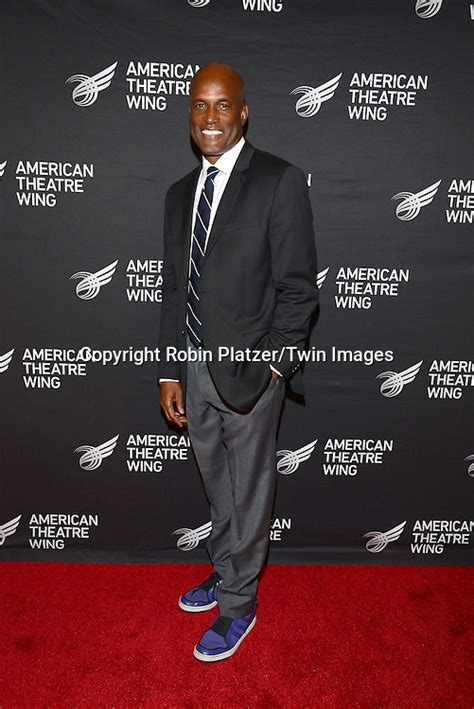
x: 227, y: 160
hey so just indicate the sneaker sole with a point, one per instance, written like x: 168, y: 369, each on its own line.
x: 195, y: 609
x: 224, y: 655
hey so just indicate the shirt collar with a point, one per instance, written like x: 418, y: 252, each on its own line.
x: 226, y: 161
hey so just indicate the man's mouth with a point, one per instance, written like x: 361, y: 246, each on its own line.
x: 211, y: 132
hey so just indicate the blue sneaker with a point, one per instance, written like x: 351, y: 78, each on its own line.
x: 224, y: 636
x: 202, y: 597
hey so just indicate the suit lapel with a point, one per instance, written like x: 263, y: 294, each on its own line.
x: 229, y: 198
x: 187, y: 213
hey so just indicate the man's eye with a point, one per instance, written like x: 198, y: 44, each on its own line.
x: 224, y: 106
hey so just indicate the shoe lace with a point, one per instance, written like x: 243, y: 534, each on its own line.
x: 210, y: 582
x: 221, y: 625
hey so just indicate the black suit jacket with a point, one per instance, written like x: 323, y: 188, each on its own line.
x: 258, y: 280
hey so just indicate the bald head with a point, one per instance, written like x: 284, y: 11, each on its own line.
x: 215, y: 71
x: 217, y: 109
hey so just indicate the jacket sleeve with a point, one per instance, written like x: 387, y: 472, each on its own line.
x: 294, y: 266
x: 167, y: 369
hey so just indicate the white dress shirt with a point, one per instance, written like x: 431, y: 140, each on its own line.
x: 225, y: 164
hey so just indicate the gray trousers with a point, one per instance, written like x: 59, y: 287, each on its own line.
x: 236, y: 456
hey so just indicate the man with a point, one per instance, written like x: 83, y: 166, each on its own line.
x: 239, y: 272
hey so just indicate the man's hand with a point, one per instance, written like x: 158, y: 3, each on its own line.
x: 171, y: 400
x: 275, y: 375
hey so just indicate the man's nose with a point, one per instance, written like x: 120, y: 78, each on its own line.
x: 211, y: 115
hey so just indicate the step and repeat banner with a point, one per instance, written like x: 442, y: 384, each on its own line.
x: 374, y: 102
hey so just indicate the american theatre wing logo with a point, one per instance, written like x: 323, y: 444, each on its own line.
x: 93, y: 456
x: 310, y: 102
x: 395, y: 381
x: 9, y: 528
x: 290, y: 460
x: 90, y: 283
x: 379, y: 540
x: 412, y: 202
x: 199, y: 3
x: 190, y: 538
x: 470, y: 468
x: 321, y: 277
x: 5, y: 360
x: 88, y: 87
x: 2, y: 168
x: 427, y: 8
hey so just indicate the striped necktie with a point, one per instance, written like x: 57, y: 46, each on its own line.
x: 198, y: 248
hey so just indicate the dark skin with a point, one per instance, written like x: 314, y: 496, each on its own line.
x: 217, y: 110
x: 217, y: 116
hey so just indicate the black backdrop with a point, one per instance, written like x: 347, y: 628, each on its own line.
x: 374, y: 102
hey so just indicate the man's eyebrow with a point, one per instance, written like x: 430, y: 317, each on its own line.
x: 222, y: 98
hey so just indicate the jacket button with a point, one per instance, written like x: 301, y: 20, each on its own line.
x: 182, y: 332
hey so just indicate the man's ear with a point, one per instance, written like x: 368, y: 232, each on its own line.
x: 244, y: 114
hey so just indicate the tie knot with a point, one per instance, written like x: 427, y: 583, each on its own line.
x: 212, y: 171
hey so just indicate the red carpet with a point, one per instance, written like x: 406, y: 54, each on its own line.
x: 88, y: 635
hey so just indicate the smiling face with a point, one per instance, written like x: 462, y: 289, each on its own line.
x: 217, y: 110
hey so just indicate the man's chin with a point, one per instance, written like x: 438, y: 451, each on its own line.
x: 213, y: 153
x: 212, y: 147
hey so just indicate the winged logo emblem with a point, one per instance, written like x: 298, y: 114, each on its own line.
x: 92, y: 456
x: 191, y: 537
x: 321, y: 277
x: 88, y: 87
x: 5, y: 360
x: 9, y: 528
x: 412, y: 202
x: 379, y: 540
x: 395, y: 381
x: 470, y: 469
x: 290, y: 460
x: 90, y: 283
x: 312, y: 97
x: 427, y: 8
